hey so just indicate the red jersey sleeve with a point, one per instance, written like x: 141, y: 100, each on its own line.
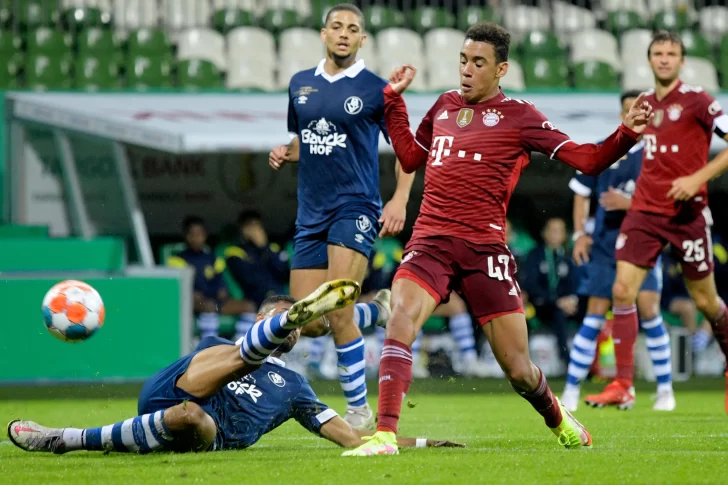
x: 410, y: 150
x: 710, y: 114
x: 539, y: 134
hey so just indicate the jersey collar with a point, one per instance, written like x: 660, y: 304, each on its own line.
x: 276, y: 361
x: 351, y: 71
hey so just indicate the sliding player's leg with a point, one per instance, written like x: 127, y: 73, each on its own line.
x: 658, y: 338
x: 183, y: 427
x: 584, y: 349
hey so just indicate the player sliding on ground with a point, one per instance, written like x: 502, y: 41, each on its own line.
x: 475, y: 142
x: 223, y: 395
x: 670, y: 206
x: 335, y: 115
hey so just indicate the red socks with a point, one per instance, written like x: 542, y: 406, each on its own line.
x: 543, y: 401
x: 395, y: 377
x: 624, y: 334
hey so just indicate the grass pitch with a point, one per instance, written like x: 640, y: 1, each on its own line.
x: 507, y: 443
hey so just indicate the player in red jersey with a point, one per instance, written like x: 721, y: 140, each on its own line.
x: 475, y: 143
x: 669, y: 206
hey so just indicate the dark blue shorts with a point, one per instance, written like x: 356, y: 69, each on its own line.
x: 353, y: 232
x: 600, y: 275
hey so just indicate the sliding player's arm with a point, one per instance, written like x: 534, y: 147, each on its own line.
x: 710, y: 114
x: 582, y: 186
x: 340, y: 432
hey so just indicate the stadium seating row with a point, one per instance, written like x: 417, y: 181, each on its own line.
x: 252, y: 58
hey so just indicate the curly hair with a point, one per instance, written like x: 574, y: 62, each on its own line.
x: 492, y: 34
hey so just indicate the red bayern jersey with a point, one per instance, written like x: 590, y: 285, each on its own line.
x: 475, y: 154
x: 677, y: 144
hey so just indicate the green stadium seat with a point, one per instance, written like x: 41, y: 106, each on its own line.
x: 38, y: 13
x: 541, y: 44
x: 149, y: 42
x: 79, y: 18
x: 380, y: 17
x: 671, y: 20
x: 9, y: 75
x: 425, y: 19
x: 278, y: 20
x: 622, y: 21
x: 96, y: 73
x: 319, y: 9
x: 198, y: 74
x: 6, y: 13
x: 47, y: 41
x: 595, y: 75
x: 544, y: 72
x: 143, y: 73
x: 48, y: 72
x: 11, y: 46
x: 225, y: 20
x: 696, y: 44
x: 99, y: 42
x: 472, y: 15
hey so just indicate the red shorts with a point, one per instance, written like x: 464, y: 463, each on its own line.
x: 482, y: 274
x: 643, y: 237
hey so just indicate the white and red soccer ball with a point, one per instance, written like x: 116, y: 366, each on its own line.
x: 73, y: 311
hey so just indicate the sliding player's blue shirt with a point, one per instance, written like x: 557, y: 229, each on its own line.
x: 246, y: 409
x: 337, y: 120
x: 601, y: 271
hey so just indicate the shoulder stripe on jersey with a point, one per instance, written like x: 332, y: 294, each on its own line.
x: 553, y: 155
x: 720, y: 125
x: 422, y: 146
x: 579, y: 189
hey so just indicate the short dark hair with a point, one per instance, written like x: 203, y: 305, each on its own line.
x: 273, y: 300
x: 345, y: 7
x: 493, y: 34
x: 632, y: 93
x: 247, y: 216
x: 190, y: 221
x: 666, y: 36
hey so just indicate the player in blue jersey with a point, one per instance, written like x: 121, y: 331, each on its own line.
x: 193, y: 406
x: 613, y: 189
x: 335, y: 117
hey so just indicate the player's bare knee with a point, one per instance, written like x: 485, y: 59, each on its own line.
x: 623, y: 294
x: 648, y: 311
x: 706, y: 303
x: 401, y: 325
x: 520, y: 373
x: 192, y: 415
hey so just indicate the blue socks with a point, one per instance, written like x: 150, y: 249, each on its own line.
x: 352, y: 369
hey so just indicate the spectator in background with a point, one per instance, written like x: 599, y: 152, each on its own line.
x: 550, y: 281
x: 210, y: 293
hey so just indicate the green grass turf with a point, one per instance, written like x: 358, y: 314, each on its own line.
x: 507, y: 444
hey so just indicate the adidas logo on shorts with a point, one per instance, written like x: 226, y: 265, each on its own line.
x: 513, y: 292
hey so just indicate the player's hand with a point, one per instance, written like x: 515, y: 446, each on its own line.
x: 277, y: 157
x: 613, y: 200
x: 447, y: 444
x: 684, y: 188
x: 582, y: 247
x: 402, y: 77
x: 393, y: 217
x: 639, y: 115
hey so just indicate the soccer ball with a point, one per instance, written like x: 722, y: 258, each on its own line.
x: 73, y: 311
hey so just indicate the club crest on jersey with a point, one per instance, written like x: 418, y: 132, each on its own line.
x: 353, y: 105
x: 363, y: 224
x: 276, y: 379
x: 465, y: 116
x: 714, y: 108
x: 674, y: 112
x: 659, y: 116
x: 491, y: 117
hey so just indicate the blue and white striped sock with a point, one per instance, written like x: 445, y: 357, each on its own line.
x: 352, y: 369
x: 583, y: 350
x: 365, y: 315
x: 658, y: 346
x: 209, y: 324
x: 265, y: 337
x: 461, y: 328
x: 244, y: 324
x: 138, y: 435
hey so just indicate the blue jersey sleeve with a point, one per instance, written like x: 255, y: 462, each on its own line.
x: 382, y: 124
x: 292, y: 116
x: 582, y: 184
x: 309, y: 411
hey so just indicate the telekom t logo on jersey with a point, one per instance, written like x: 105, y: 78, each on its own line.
x: 440, y: 149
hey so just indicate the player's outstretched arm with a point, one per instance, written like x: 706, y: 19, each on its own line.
x: 340, y: 432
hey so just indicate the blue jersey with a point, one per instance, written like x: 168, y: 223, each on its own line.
x: 622, y: 176
x: 337, y: 120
